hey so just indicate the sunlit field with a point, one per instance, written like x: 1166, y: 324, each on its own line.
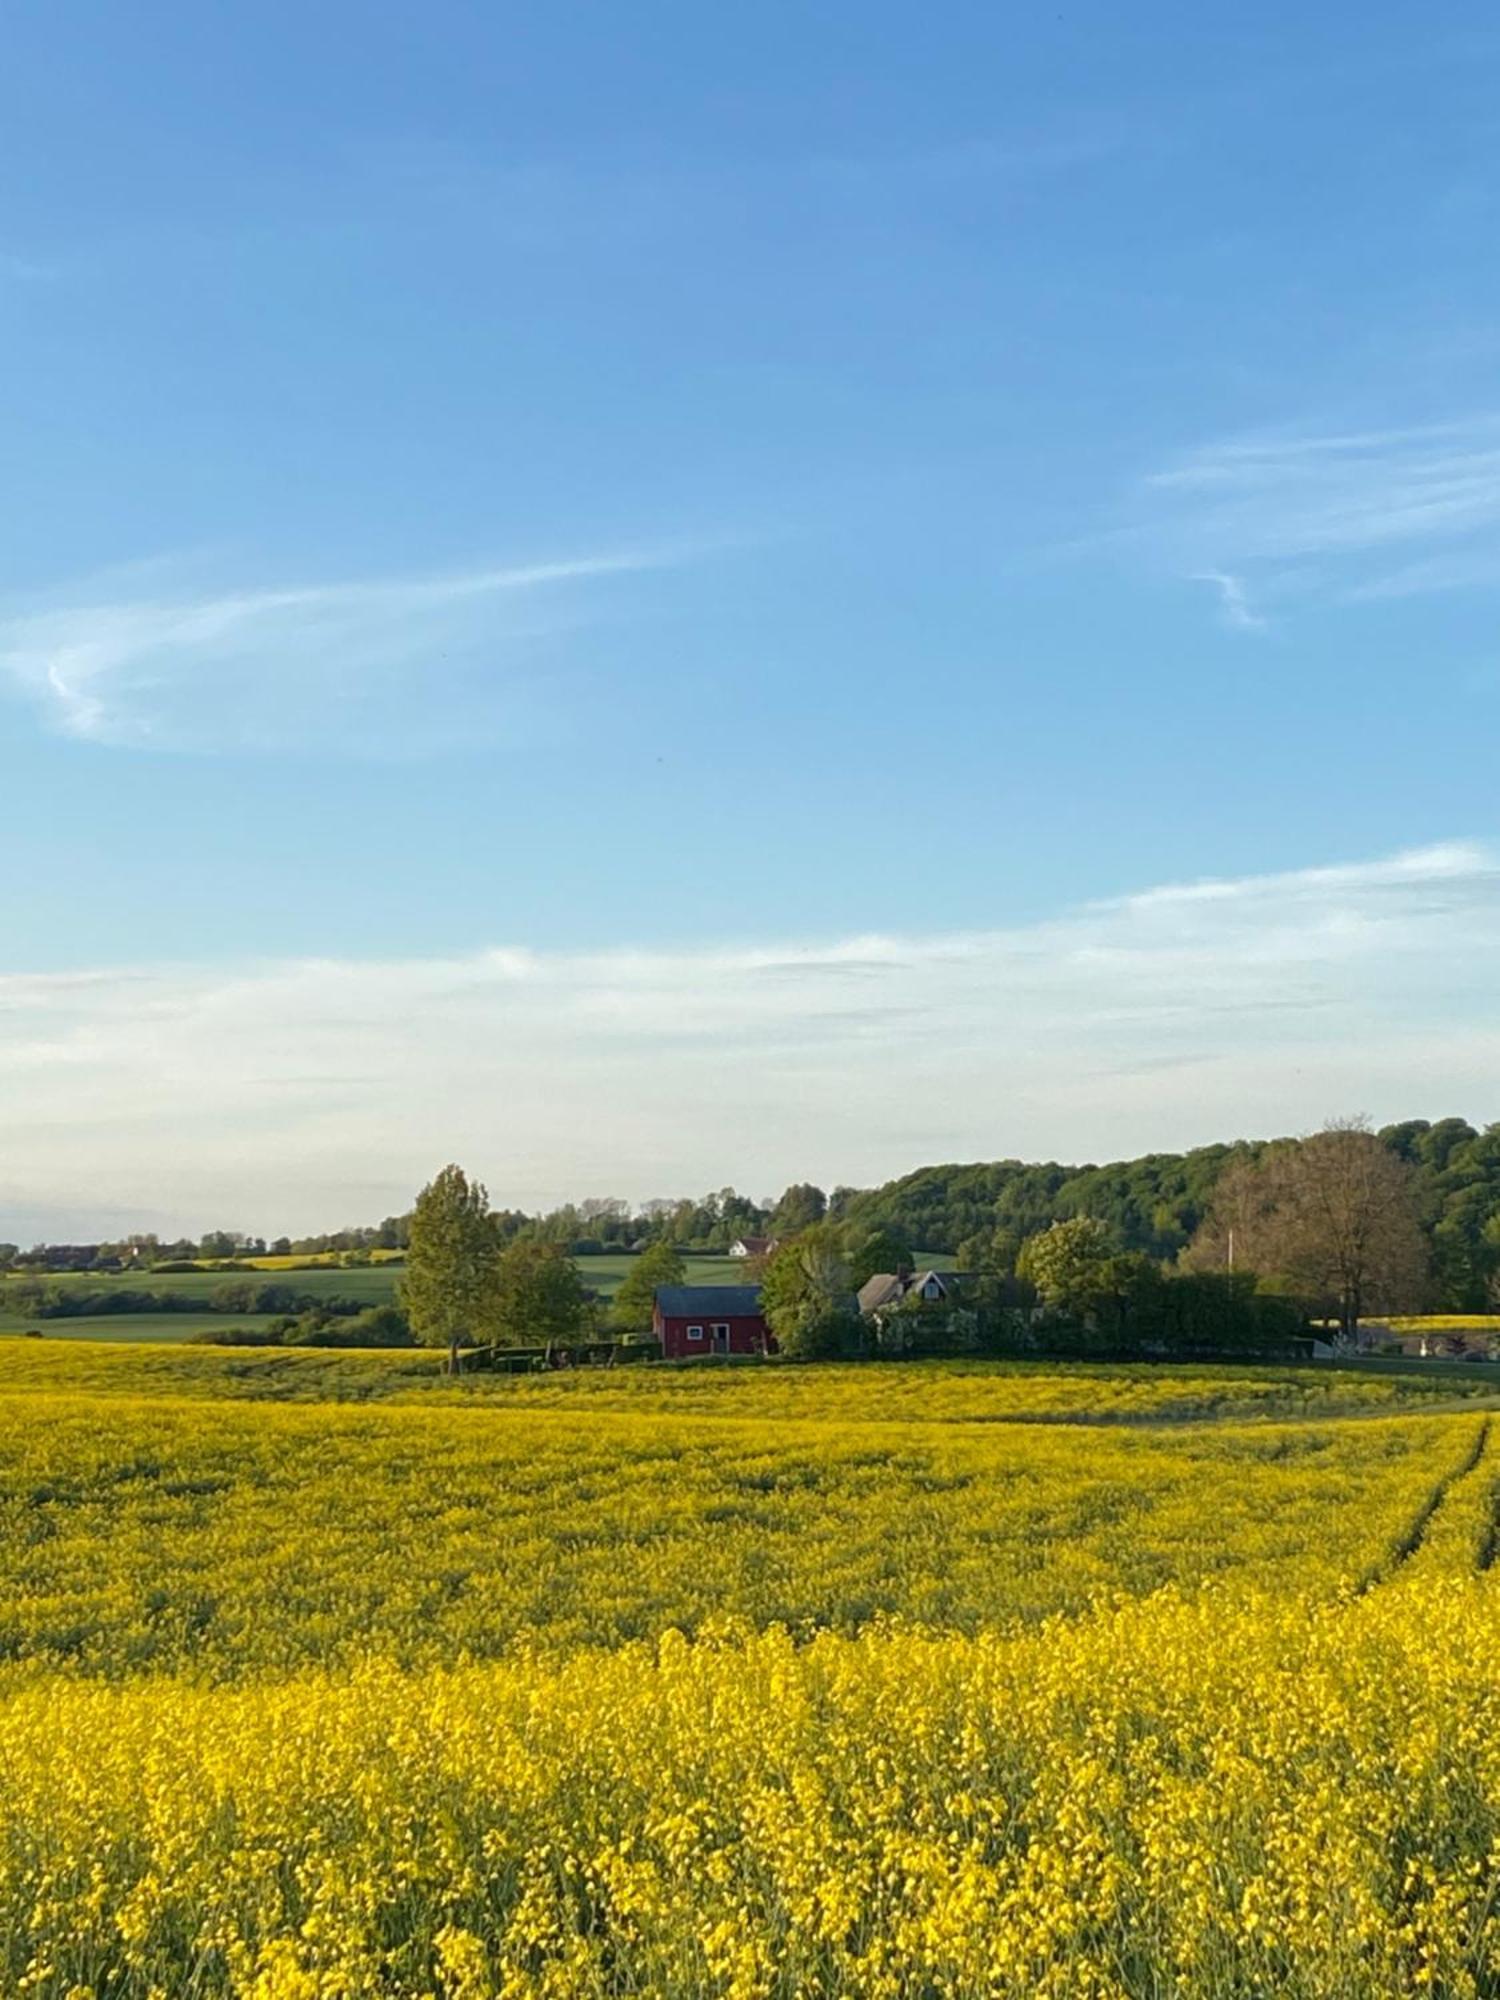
x: 958, y: 1391
x: 323, y: 1675
x: 1445, y: 1323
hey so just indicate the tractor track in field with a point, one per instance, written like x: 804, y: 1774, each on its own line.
x: 1415, y: 1532
x: 1489, y: 1543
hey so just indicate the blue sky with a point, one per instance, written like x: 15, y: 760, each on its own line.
x: 671, y: 484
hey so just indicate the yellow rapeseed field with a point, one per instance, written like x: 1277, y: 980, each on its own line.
x: 958, y: 1391
x: 635, y: 1690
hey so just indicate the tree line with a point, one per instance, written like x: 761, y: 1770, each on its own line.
x: 1322, y: 1230
x: 1075, y: 1293
x: 704, y: 1224
x: 977, y: 1215
x: 39, y: 1300
x: 1328, y: 1228
x: 1319, y: 1231
x: 1161, y: 1204
x: 146, y: 1251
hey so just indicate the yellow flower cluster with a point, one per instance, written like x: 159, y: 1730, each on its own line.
x: 1217, y: 1796
x: 221, y: 1539
x: 577, y: 1702
x: 964, y: 1392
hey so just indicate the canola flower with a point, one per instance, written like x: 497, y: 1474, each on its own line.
x: 1200, y: 1796
x: 962, y: 1392
x: 225, y: 1539
x: 500, y: 1702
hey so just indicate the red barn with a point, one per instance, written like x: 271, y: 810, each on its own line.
x: 692, y: 1320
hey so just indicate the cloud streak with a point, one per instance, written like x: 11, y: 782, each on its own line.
x: 411, y: 662
x: 1234, y: 603
x: 1341, y: 515
x: 324, y: 1091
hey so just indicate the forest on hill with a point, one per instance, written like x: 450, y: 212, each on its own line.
x: 1156, y: 1204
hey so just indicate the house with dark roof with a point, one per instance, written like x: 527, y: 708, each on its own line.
x: 752, y: 1246
x: 893, y: 1288
x: 925, y: 1312
x: 691, y: 1321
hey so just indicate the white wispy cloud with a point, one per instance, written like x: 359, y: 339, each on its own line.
x: 409, y: 661
x: 1348, y: 515
x: 326, y: 1090
x: 1234, y: 603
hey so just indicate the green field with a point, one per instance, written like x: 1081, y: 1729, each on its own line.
x: 370, y: 1284
x: 606, y: 1274
x: 133, y: 1327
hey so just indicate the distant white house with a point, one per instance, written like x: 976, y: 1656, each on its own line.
x: 752, y: 1246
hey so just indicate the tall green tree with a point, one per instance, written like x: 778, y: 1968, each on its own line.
x: 872, y: 1250
x: 448, y: 1289
x: 1069, y: 1263
x: 805, y: 1294
x: 989, y: 1252
x: 539, y: 1296
x: 799, y: 1208
x: 658, y: 1264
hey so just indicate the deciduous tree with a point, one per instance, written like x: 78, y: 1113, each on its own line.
x: 1068, y: 1263
x: 1334, y: 1217
x: 799, y: 1208
x: 539, y: 1296
x: 805, y: 1294
x: 872, y: 1250
x: 448, y: 1289
x: 658, y: 1264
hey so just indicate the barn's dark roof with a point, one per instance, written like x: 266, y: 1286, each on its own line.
x: 707, y: 1301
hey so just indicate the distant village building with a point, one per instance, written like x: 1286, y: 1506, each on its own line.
x: 886, y: 1289
x: 914, y: 1312
x: 753, y: 1246
x: 695, y: 1320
